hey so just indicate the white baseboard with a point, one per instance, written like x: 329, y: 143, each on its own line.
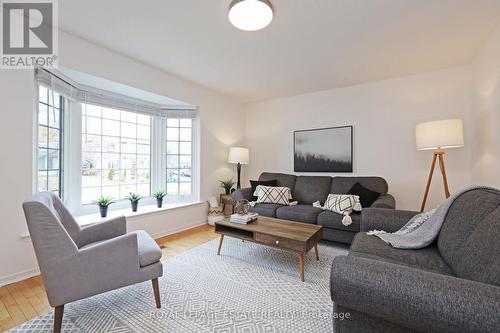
x: 19, y: 276
x: 178, y: 229
x: 36, y: 271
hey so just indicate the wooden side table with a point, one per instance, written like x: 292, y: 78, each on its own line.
x: 228, y: 202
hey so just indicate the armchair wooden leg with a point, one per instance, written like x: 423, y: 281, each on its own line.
x: 156, y: 290
x: 58, y: 317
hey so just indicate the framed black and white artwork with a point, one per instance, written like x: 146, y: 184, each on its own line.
x: 323, y: 150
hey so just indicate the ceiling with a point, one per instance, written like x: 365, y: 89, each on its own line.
x: 311, y: 45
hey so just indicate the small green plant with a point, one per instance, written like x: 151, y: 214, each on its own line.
x: 159, y: 195
x: 134, y: 197
x: 111, y: 174
x: 227, y: 184
x: 103, y: 201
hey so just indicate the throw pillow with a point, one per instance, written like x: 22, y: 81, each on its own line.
x: 366, y: 196
x: 343, y: 204
x: 275, y: 195
x: 255, y: 183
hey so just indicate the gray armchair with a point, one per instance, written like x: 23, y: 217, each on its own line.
x: 76, y: 262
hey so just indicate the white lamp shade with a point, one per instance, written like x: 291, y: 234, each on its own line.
x: 250, y: 15
x: 238, y: 155
x: 440, y: 134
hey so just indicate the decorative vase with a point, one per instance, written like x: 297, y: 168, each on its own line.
x: 159, y: 202
x: 134, y: 205
x: 103, y: 210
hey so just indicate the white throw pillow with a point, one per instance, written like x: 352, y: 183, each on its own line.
x: 272, y: 194
x: 342, y: 204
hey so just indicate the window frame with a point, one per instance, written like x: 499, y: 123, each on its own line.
x: 70, y: 161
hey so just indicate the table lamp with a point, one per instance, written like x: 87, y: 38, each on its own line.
x: 238, y: 156
x: 439, y: 135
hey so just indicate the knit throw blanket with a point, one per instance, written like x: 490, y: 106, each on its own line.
x: 424, y: 228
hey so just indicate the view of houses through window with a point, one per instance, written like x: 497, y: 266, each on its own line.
x: 179, y: 157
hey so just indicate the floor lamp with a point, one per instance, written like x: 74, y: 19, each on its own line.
x: 439, y: 135
x: 238, y: 156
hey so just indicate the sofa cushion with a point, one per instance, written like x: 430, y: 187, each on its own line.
x: 282, y: 179
x: 309, y: 189
x: 255, y: 183
x: 299, y: 213
x: 366, y: 196
x: 265, y: 209
x: 469, y: 211
x: 342, y: 185
x: 426, y: 258
x: 333, y: 220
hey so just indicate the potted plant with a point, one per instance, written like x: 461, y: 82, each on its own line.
x: 103, y: 203
x: 227, y: 185
x: 134, y: 200
x: 159, y: 198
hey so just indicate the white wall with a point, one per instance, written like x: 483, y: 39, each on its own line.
x: 219, y: 130
x: 486, y: 70
x: 384, y: 115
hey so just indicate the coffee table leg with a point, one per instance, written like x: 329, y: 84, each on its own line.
x: 301, y: 267
x: 220, y: 244
x: 316, y: 251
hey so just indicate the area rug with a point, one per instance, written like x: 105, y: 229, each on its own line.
x: 248, y: 288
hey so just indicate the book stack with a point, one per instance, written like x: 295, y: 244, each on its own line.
x: 243, y: 218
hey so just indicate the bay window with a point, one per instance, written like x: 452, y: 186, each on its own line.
x: 113, y: 145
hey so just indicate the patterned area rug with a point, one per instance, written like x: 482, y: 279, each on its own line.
x: 249, y: 288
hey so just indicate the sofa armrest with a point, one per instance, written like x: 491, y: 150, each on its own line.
x: 243, y: 193
x: 389, y: 220
x: 385, y: 201
x: 103, y: 230
x: 414, y: 298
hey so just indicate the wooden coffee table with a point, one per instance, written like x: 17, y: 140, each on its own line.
x: 296, y: 237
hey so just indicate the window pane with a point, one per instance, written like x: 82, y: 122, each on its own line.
x: 128, y: 116
x: 128, y: 145
x: 91, y: 161
x: 172, y: 189
x: 129, y: 130
x: 186, y: 123
x: 128, y: 176
x: 110, y: 144
x: 110, y: 177
x: 172, y: 122
x: 92, y: 110
x: 53, y: 180
x: 42, y: 94
x: 185, y: 134
x: 185, y: 175
x: 93, y: 125
x: 54, y: 99
x: 185, y: 188
x: 110, y: 127
x: 42, y: 159
x: 91, y: 178
x: 143, y: 119
x: 110, y: 114
x: 43, y: 114
x: 173, y: 134
x: 89, y: 194
x: 185, y: 162
x: 53, y: 159
x: 143, y: 147
x: 143, y: 132
x: 172, y: 175
x: 143, y: 176
x: 126, y: 189
x: 128, y: 161
x: 172, y: 147
x: 91, y: 142
x: 42, y: 136
x: 185, y: 148
x: 54, y: 117
x: 143, y: 189
x: 111, y: 191
x: 143, y: 161
x: 110, y: 161
x: 54, y: 138
x: 172, y: 161
x: 42, y: 181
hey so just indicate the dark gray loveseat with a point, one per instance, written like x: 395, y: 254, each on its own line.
x: 451, y: 286
x: 308, y: 189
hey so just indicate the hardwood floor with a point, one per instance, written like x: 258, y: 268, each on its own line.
x: 24, y: 300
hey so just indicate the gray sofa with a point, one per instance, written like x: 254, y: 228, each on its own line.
x: 308, y: 189
x: 451, y: 286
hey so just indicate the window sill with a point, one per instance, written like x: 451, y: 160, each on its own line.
x: 142, y: 211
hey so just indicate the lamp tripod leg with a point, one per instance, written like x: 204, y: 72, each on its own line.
x: 429, y: 180
x: 443, y: 173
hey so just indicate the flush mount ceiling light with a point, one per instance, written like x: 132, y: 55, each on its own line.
x: 250, y: 15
